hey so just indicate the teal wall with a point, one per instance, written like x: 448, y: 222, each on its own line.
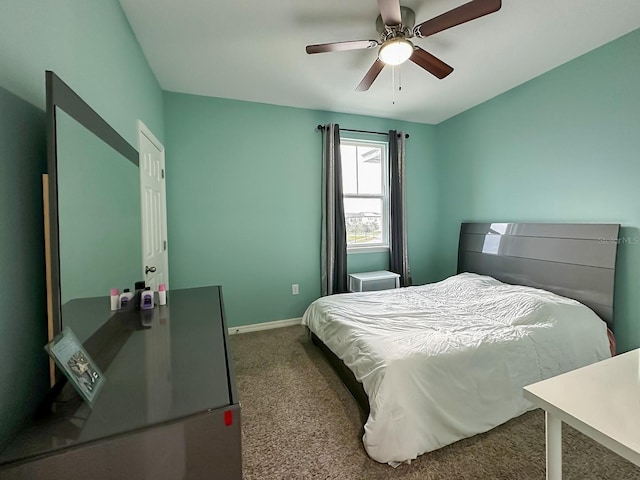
x: 563, y: 147
x: 24, y: 372
x: 243, y: 201
x: 90, y: 45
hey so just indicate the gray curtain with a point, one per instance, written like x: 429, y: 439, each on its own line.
x: 398, y: 252
x: 334, y: 236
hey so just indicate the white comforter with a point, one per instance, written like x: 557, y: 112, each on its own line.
x: 446, y: 361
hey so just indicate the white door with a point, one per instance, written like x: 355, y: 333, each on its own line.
x: 155, y: 258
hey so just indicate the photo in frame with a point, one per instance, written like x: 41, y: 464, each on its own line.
x: 77, y: 365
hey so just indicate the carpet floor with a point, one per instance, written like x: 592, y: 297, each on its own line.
x: 299, y: 422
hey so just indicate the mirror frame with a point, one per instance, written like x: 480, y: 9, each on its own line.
x: 60, y: 95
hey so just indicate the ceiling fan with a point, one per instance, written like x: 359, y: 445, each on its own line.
x: 395, y: 24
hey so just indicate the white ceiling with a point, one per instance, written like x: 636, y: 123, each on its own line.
x: 255, y: 50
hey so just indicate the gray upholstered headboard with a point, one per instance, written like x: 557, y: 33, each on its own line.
x: 573, y: 260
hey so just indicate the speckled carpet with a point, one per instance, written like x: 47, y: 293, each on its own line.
x: 299, y: 422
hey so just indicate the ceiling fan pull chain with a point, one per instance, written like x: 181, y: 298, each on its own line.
x: 393, y: 85
x: 399, y: 78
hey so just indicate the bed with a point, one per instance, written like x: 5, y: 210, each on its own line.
x: 436, y: 363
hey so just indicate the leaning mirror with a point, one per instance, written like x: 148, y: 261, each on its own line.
x: 94, y: 210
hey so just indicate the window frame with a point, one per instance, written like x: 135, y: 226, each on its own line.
x: 384, y: 245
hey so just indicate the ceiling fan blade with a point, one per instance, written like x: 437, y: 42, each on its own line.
x: 464, y: 13
x: 390, y: 11
x: 431, y: 64
x: 341, y: 46
x: 371, y: 75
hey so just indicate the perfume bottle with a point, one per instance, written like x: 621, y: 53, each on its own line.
x: 125, y: 297
x: 146, y: 299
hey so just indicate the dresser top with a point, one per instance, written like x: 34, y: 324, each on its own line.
x: 174, y: 366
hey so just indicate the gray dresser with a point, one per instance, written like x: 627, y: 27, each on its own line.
x: 168, y: 410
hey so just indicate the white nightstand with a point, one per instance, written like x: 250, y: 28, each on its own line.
x: 371, y: 281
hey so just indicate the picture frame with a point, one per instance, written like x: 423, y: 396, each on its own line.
x: 74, y: 361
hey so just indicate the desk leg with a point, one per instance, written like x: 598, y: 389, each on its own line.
x: 554, y: 447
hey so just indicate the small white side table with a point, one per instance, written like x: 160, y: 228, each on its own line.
x: 371, y: 281
x: 601, y: 400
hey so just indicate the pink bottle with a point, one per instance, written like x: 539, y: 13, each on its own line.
x: 115, y: 299
x: 162, y: 294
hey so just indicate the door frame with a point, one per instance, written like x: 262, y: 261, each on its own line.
x: 143, y: 130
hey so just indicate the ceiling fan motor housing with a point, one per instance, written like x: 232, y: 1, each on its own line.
x: 404, y: 29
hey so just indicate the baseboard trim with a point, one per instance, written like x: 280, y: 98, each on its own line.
x: 256, y: 327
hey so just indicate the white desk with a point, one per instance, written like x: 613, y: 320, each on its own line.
x: 601, y: 400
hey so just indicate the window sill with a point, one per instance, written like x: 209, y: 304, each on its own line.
x: 372, y: 249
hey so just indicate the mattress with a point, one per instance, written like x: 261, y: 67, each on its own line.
x: 448, y: 360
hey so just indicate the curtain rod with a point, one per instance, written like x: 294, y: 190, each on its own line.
x: 321, y: 127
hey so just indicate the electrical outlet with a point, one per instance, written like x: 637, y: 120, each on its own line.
x: 294, y: 289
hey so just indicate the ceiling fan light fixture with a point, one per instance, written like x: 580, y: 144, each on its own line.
x: 395, y: 51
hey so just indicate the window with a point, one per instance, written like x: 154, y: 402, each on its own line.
x: 365, y: 193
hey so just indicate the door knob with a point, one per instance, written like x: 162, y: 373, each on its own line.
x: 149, y: 269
